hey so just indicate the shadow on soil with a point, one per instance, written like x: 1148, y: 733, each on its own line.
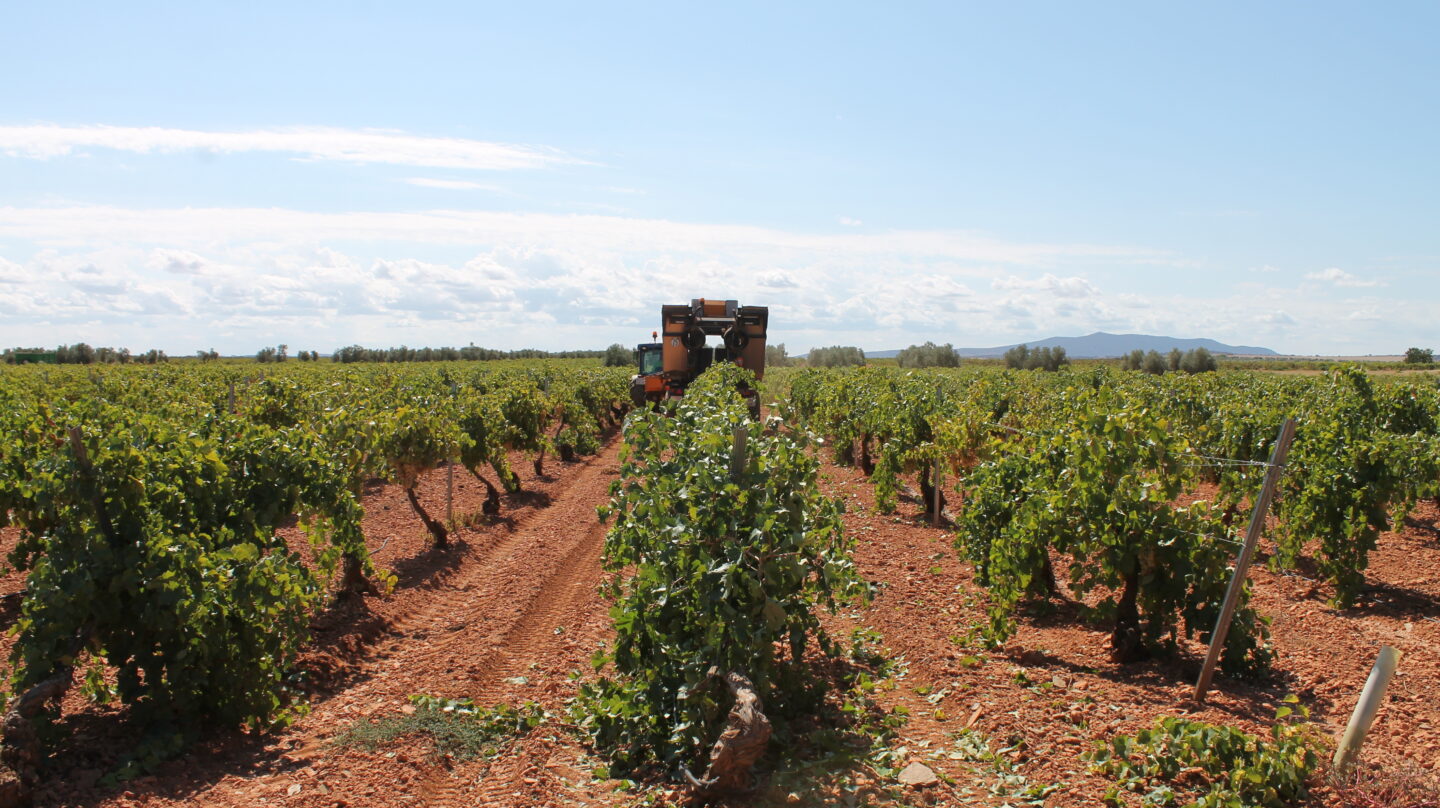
x: 1164, y: 680
x: 96, y: 743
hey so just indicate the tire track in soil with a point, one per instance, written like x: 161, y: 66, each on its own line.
x: 573, y: 588
x: 499, y: 614
x: 502, y: 581
x: 564, y: 593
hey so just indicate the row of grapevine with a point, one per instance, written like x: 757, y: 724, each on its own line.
x: 1090, y: 465
x: 719, y: 564
x: 149, y: 503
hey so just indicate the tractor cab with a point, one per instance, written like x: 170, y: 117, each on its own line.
x: 650, y: 357
x: 648, y: 385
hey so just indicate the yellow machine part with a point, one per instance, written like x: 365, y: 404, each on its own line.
x: 673, y: 355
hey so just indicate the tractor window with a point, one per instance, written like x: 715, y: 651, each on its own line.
x: 650, y: 362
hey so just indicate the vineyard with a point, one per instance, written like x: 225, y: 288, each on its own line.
x: 227, y: 583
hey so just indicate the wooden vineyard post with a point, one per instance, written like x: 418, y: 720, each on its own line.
x: 737, y: 452
x: 935, y: 517
x: 450, y: 494
x: 1242, y: 563
x: 450, y: 477
x: 1365, y: 709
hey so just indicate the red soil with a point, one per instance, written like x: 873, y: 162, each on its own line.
x: 1053, y: 691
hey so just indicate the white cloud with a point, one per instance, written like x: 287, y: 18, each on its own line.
x: 191, y: 227
x: 11, y: 272
x: 849, y: 222
x: 777, y: 280
x: 315, y: 143
x: 1339, y: 277
x: 454, y: 185
x: 178, y: 261
x: 1059, y: 287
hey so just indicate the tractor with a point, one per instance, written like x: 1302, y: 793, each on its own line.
x: 683, y: 353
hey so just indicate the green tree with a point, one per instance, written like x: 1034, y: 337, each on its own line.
x: 776, y: 357
x: 618, y: 356
x: 929, y: 355
x: 836, y: 356
x: 1198, y: 360
x: 1419, y: 356
x: 1016, y: 357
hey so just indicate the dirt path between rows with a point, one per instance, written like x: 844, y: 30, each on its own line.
x: 501, y: 617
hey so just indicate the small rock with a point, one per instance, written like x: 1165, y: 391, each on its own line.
x: 918, y: 775
x: 293, y: 789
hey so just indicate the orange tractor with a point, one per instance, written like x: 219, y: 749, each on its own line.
x: 683, y: 353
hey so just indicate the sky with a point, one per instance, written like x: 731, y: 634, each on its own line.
x: 189, y: 176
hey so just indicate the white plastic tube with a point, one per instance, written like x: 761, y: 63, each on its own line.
x: 1360, y: 720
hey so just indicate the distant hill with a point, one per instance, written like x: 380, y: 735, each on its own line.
x: 1101, y: 345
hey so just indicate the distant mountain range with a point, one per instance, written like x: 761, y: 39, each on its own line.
x: 1101, y: 345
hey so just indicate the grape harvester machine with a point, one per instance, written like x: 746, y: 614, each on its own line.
x: 667, y: 367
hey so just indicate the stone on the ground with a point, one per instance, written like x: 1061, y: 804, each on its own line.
x: 917, y: 775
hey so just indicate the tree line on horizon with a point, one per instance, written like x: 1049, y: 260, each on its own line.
x: 472, y: 352
x: 1197, y: 360
x: 81, y: 354
x: 1023, y: 357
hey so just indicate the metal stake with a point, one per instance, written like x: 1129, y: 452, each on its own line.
x: 1242, y: 564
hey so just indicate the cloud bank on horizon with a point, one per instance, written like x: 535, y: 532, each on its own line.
x: 237, y: 278
x: 514, y: 177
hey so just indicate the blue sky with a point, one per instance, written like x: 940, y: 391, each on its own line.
x: 194, y: 175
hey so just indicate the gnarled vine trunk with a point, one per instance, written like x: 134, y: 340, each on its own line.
x: 353, y: 581
x: 1127, y: 644
x: 927, y: 489
x: 442, y: 536
x: 492, y: 495
x: 742, y: 742
x: 1044, y: 584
